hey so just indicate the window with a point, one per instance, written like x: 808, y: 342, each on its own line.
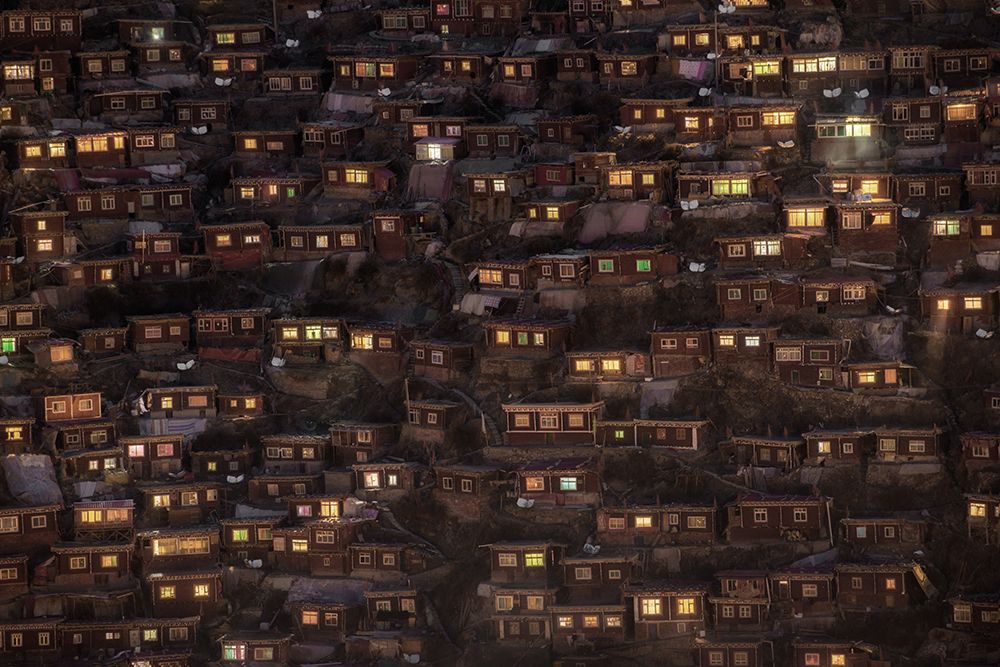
x: 736, y: 250
x: 168, y: 592
x: 534, y: 559
x: 201, y: 590
x: 760, y: 515
x: 811, y: 659
x: 651, y: 607
x: 568, y: 484
x: 686, y: 606
x: 973, y: 302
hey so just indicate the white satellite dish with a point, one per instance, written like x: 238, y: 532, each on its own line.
x: 234, y: 479
x: 623, y: 130
x: 712, y: 56
x: 314, y: 13
x: 983, y: 333
x: 525, y: 503
x: 201, y: 129
x: 910, y: 213
x: 219, y: 81
x: 726, y: 8
x: 787, y: 144
x: 832, y: 92
x: 291, y: 43
x: 384, y: 92
x: 689, y: 205
x: 277, y: 362
x: 862, y: 94
x: 704, y: 92
x: 697, y: 267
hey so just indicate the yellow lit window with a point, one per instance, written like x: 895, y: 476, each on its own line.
x: 973, y: 303
x: 943, y: 304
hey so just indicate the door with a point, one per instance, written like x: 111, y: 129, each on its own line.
x: 784, y: 590
x: 134, y: 638
x: 795, y: 377
x: 131, y: 207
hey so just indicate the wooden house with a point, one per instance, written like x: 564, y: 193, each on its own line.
x: 391, y: 606
x: 190, y: 593
x: 589, y: 167
x: 45, y: 153
x: 24, y: 529
x: 326, y: 620
x: 102, y: 65
x: 404, y: 20
x: 290, y: 81
x: 238, y: 35
x: 458, y: 484
x: 625, y: 70
x: 151, y: 637
x: 761, y: 126
x: 979, y: 450
x: 522, y: 612
x: 190, y: 401
x: 146, y: 105
x: 238, y: 245
x: 221, y: 463
x: 387, y: 479
x: 658, y: 114
x: 560, y: 482
x: 802, y: 591
x: 679, y: 350
x: 928, y: 192
x: 910, y: 66
x: 847, y: 139
x: 527, y: 70
x: 226, y: 329
x: 269, y: 190
x: 303, y: 509
x: 104, y: 521
x: 36, y: 637
x: 156, y: 334
x: 756, y: 297
x: 177, y: 549
x: 152, y: 457
x: 156, y: 145
x: 95, y: 272
x: 838, y: 447
x: 394, y: 232
x: 159, y: 57
x: 90, y: 565
x: 862, y: 586
x: 851, y: 186
x: 70, y: 407
x: 975, y: 613
x: 753, y: 75
x: 330, y: 139
x: 962, y: 68
x: 182, y: 504
x: 197, y: 112
x: 491, y: 195
x: 295, y: 454
x: 440, y: 359
x: 551, y: 211
x: 664, y: 609
x: 607, y: 365
x: 530, y: 338
x: 491, y: 141
x: 307, y: 340
x: 655, y: 525
x: 823, y: 652
x: 955, y: 237
x: 28, y: 29
x: 626, y: 265
x: 982, y: 184
x: 90, y: 464
x: 90, y: 433
x: 982, y: 515
x: 247, y: 539
x: 785, y: 453
x: 329, y: 543
x: 703, y: 38
x: 560, y: 270
x: 763, y: 251
x: 805, y: 214
x: 576, y: 131
x: 884, y: 533
x: 598, y: 625
x: 756, y: 517
x: 551, y: 423
x: 724, y: 651
x: 15, y: 435
x: 810, y: 362
x: 639, y: 180
x: 268, y: 489
x: 839, y: 295
x: 525, y: 562
x: 355, y: 442
x: 908, y: 444
x: 500, y: 275
x: 743, y: 344
x: 264, y: 143
x: 258, y: 648
x: 368, y: 72
x: 13, y: 576
x: 960, y: 309
x: 867, y: 227
x: 357, y: 179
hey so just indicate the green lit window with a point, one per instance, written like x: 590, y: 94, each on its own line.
x: 241, y: 535
x: 620, y: 434
x: 290, y: 192
x: 606, y: 265
x: 643, y: 265
x: 8, y: 345
x: 522, y: 338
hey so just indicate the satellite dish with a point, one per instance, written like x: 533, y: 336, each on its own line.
x: 314, y: 13
x: 837, y: 92
x: 934, y: 90
x: 983, y: 333
x: 592, y: 549
x: 910, y: 213
x: 689, y: 205
x: 726, y: 8
x: 384, y: 92
x: 291, y: 43
x: 832, y: 92
x: 277, y: 362
x: 862, y: 94
x: 712, y: 56
x: 697, y: 267
x: 623, y: 130
x: 202, y: 129
x: 234, y: 479
x: 787, y: 144
x: 704, y: 92
x: 525, y: 503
